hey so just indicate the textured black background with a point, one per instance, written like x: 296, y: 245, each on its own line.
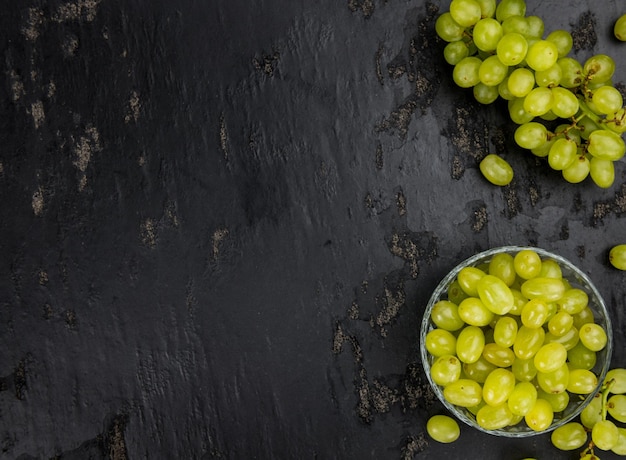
x: 221, y: 221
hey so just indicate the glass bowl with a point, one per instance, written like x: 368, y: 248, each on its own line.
x: 577, y: 279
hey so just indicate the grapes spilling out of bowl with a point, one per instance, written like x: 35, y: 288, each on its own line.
x: 568, y: 112
x: 516, y: 341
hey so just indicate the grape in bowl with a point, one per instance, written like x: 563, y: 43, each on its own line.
x: 516, y: 341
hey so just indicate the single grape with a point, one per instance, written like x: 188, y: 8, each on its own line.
x: 445, y: 370
x: 485, y: 94
x: 581, y: 357
x: 563, y: 41
x: 474, y: 312
x: 562, y: 154
x: 521, y: 81
x: 454, y: 52
x: 587, y: 126
x: 503, y: 90
x: 593, y: 336
x: 501, y: 265
x: 445, y: 315
x: 592, y: 413
x: 560, y: 323
x: 495, y: 294
x: 465, y: 72
x: 516, y: 24
x: 494, y: 417
x: 606, y: 145
x: 463, y: 392
x: 465, y: 12
x: 448, y: 29
x: 536, y: 26
x: 507, y: 8
x: 530, y: 135
x: 620, y: 447
x: 617, y: 256
x: 619, y: 28
x: 468, y: 278
x: 542, y: 55
x: 486, y: 34
x: 550, y: 357
x: 599, y: 68
x: 604, y: 434
x: 470, y: 344
x: 538, y: 101
x: 558, y: 401
x: 517, y: 112
x: 616, y: 406
x: 602, y: 171
x: 583, y: 317
x: 527, y: 263
x: 443, y: 428
x: 528, y: 341
x: 571, y: 72
x: 479, y: 370
x: 522, y: 398
x: 498, y: 386
x: 607, y: 99
x: 524, y: 369
x: 540, y: 416
x: 440, y: 342
x: 568, y: 340
x: 505, y: 331
x: 618, y: 377
x: 581, y: 381
x: 564, y: 102
x: 498, y: 355
x: 555, y: 381
x: 550, y: 77
x: 573, y: 301
x: 577, y: 171
x: 487, y: 8
x: 455, y: 293
x: 535, y: 313
x: 570, y: 436
x: 512, y: 49
x: 492, y: 71
x: 617, y: 121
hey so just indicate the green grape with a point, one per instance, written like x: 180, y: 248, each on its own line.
x: 494, y: 417
x: 495, y: 294
x: 512, y: 49
x: 578, y: 170
x: 571, y: 72
x: 501, y: 265
x: 456, y: 293
x: 448, y: 29
x: 619, y: 28
x: 474, y: 312
x: 549, y: 289
x: 618, y: 376
x: 454, y: 52
x: 445, y: 315
x: 617, y: 256
x: 568, y: 340
x: 558, y: 401
x: 616, y: 406
x: 521, y: 81
x: 492, y: 72
x: 528, y: 341
x: 606, y: 144
x: 617, y: 121
x: 543, y: 150
x: 445, y: 370
x: 443, y: 429
x: 550, y: 77
x: 581, y: 381
x: 468, y: 279
x: 487, y: 33
x: 470, y: 344
x: 586, y: 126
x: 604, y: 434
x: 563, y: 41
x: 527, y: 263
x: 583, y: 317
x: 573, y: 301
x: 602, y: 171
x: 542, y: 55
x: 487, y: 8
x: 524, y: 369
x: 465, y: 73
x: 540, y: 417
x: 498, y: 355
x: 465, y: 12
x: 550, y: 269
x: 463, y: 392
x: 522, y: 398
x: 538, y: 101
x: 620, y: 447
x: 532, y: 134
x: 560, y: 323
x: 519, y: 303
x: 517, y: 24
x: 505, y: 331
x: 570, y: 436
x: 581, y: 357
x: 503, y: 90
x: 507, y: 8
x: 550, y: 357
x: 485, y: 94
x: 517, y: 112
x: 592, y: 413
x: 564, y: 102
x: 562, y: 154
x: 498, y: 386
x: 478, y: 370
x: 496, y: 169
x: 535, y: 313
x: 440, y: 342
x: 599, y: 68
x: 566, y: 130
x: 555, y: 381
x: 593, y: 336
x: 535, y: 26
x: 607, y: 100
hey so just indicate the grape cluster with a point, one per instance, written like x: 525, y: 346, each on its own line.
x: 567, y: 112
x: 514, y: 342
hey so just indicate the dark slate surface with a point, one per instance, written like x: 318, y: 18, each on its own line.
x: 221, y: 222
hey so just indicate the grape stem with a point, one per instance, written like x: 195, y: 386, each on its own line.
x: 606, y: 389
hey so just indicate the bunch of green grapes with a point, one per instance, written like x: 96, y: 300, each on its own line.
x: 514, y: 342
x: 599, y: 418
x: 568, y: 112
